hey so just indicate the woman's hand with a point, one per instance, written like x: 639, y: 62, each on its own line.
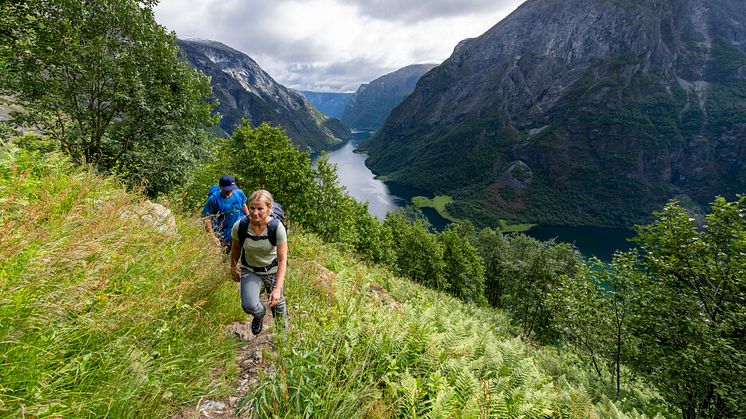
x: 274, y: 297
x: 234, y: 274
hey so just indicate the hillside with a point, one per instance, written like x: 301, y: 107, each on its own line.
x: 244, y: 90
x: 372, y: 102
x: 103, y: 315
x: 330, y: 103
x: 579, y: 112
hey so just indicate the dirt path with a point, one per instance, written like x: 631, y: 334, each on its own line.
x: 250, y: 361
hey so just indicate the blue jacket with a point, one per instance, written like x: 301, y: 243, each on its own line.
x: 225, y: 212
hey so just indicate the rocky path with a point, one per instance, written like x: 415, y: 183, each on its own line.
x: 250, y: 361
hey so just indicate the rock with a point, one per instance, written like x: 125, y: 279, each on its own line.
x: 212, y: 405
x: 153, y: 215
x: 256, y: 355
x: 240, y: 330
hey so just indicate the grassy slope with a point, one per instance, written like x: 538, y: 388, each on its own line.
x: 100, y: 316
x: 364, y: 343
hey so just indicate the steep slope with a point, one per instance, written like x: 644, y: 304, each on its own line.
x: 580, y: 112
x: 331, y: 104
x: 372, y: 102
x: 244, y: 90
x: 129, y: 320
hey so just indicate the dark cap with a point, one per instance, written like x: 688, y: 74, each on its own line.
x: 228, y: 183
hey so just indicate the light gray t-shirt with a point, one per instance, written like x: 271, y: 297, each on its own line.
x: 260, y: 253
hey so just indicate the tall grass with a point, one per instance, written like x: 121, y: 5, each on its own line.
x: 365, y: 344
x: 99, y: 314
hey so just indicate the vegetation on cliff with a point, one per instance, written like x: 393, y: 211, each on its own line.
x: 610, y: 113
x: 105, y: 315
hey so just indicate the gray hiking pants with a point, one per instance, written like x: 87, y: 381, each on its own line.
x: 251, y: 285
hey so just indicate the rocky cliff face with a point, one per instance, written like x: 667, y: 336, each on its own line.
x: 244, y: 90
x: 372, y: 102
x: 580, y: 112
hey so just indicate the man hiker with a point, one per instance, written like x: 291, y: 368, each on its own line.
x: 223, y: 208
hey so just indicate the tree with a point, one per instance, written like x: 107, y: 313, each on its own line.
x: 105, y: 80
x: 689, y: 308
x: 526, y: 271
x: 493, y: 247
x: 264, y: 158
x: 591, y: 310
x: 463, y: 267
x: 339, y: 221
x: 419, y: 255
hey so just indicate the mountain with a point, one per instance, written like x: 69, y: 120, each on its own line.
x: 331, y: 104
x: 579, y: 112
x: 372, y: 102
x: 244, y: 90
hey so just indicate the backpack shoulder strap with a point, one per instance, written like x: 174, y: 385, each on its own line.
x: 272, y: 230
x: 243, y: 230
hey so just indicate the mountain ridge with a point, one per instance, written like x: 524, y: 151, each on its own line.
x: 332, y: 104
x: 244, y: 90
x: 372, y: 102
x: 608, y: 113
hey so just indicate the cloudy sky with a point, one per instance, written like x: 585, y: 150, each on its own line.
x: 334, y: 45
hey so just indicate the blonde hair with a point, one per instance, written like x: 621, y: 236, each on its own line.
x: 262, y: 195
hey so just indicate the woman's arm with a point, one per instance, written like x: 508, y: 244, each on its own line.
x: 282, y: 259
x: 235, y: 252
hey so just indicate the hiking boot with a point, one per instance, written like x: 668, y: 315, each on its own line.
x: 256, y: 324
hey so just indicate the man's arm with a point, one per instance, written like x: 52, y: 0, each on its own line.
x: 210, y: 231
x: 208, y: 212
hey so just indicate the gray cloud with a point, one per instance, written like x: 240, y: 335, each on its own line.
x: 415, y: 11
x: 343, y: 76
x: 364, y: 40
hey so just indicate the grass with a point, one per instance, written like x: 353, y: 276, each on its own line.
x: 104, y: 316
x: 440, y: 203
x: 366, y: 344
x: 514, y: 228
x: 101, y: 316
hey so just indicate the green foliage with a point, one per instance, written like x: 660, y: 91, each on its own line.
x: 689, y: 308
x: 358, y: 350
x: 105, y: 80
x: 336, y: 208
x: 259, y: 158
x: 419, y: 254
x: 101, y: 315
x: 463, y: 268
x: 591, y: 311
x: 520, y: 275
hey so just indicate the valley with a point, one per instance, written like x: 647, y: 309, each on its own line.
x: 383, y: 197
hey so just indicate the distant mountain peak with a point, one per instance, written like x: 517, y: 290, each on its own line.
x: 372, y: 102
x: 244, y: 90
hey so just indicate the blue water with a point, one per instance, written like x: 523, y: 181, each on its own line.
x: 590, y: 241
x: 383, y: 197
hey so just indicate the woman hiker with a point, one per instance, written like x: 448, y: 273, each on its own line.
x: 257, y: 260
